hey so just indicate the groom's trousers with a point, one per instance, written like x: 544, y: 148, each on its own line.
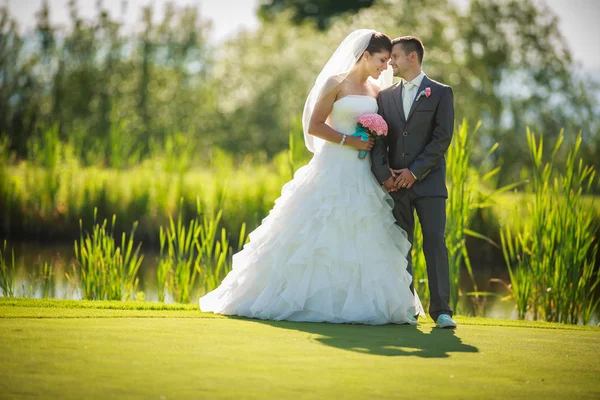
x: 432, y: 217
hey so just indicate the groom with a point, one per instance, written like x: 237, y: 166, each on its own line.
x: 420, y: 117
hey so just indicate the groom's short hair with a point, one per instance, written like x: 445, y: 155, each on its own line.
x: 410, y: 44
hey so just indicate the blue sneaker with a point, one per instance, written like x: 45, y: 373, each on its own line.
x: 445, y: 321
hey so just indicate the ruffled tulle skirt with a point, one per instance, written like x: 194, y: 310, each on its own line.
x: 329, y: 251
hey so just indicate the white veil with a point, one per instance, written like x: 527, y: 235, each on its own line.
x: 338, y: 67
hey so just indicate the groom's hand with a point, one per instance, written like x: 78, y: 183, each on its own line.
x: 404, y: 178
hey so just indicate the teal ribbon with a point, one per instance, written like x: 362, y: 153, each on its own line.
x: 364, y: 136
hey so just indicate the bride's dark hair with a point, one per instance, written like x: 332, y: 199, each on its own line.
x: 379, y: 42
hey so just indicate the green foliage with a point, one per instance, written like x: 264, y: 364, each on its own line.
x: 148, y: 193
x: 421, y: 282
x: 461, y: 204
x: 8, y: 190
x: 241, y: 196
x: 319, y: 11
x: 194, y: 251
x: 102, y: 88
x: 551, y: 254
x: 216, y: 257
x: 179, y: 261
x: 467, y: 195
x: 7, y: 273
x: 107, y: 271
x: 117, y: 97
x: 47, y: 281
x: 506, y: 61
x: 130, y: 123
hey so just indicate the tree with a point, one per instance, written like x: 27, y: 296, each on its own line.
x: 506, y: 60
x: 19, y: 94
x: 319, y: 11
x: 109, y: 94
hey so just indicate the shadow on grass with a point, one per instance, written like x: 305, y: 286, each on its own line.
x: 385, y: 340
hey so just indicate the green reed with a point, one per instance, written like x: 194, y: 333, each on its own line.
x: 7, y: 273
x: 163, y: 268
x: 466, y: 196
x: 9, y: 194
x: 178, y: 264
x: 243, y: 190
x: 42, y: 277
x: 420, y: 266
x: 106, y: 270
x: 47, y: 280
x: 199, y: 250
x: 147, y: 193
x: 462, y: 198
x: 551, y: 254
x: 47, y: 153
x: 215, y: 252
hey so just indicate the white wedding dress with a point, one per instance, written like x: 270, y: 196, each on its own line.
x: 329, y: 250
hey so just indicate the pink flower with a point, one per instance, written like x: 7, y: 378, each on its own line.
x: 426, y: 92
x: 374, y: 124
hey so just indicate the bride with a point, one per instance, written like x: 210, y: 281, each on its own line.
x: 329, y: 250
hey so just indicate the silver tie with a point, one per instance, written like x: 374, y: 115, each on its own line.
x: 407, y: 97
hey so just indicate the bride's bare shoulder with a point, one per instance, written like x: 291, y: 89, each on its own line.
x: 332, y: 85
x: 333, y: 81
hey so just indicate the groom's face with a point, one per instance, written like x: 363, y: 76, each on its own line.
x: 399, y: 60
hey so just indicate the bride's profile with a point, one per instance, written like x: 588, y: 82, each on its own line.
x: 329, y: 250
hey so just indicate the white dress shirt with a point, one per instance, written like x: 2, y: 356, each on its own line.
x: 409, y: 92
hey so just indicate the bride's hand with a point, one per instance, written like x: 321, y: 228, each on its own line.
x: 358, y: 144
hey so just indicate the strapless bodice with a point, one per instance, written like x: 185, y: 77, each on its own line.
x: 343, y: 118
x: 346, y: 111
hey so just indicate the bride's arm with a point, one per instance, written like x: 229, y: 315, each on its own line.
x: 317, y: 126
x: 379, y: 156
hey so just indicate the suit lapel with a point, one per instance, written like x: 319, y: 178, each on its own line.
x: 397, y: 96
x: 424, y: 83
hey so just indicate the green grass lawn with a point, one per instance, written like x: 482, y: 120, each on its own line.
x: 76, y: 350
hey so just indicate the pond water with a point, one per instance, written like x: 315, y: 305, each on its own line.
x: 30, y: 258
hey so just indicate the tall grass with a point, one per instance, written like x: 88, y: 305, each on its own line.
x: 41, y: 278
x: 216, y: 260
x: 466, y: 195
x: 231, y: 194
x: 8, y: 190
x: 421, y: 282
x: 32, y: 208
x: 46, y: 151
x: 107, y: 271
x: 7, y: 273
x: 199, y: 250
x: 462, y: 201
x: 551, y: 254
x: 47, y: 281
x: 179, y: 261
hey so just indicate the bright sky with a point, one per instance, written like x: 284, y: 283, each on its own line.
x: 578, y: 18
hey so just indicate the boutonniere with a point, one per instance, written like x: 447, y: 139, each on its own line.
x: 425, y: 92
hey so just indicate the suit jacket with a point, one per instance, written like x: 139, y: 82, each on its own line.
x: 418, y: 142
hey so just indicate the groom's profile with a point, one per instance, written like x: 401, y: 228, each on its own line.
x: 410, y: 163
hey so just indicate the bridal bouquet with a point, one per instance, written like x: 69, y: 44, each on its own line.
x: 369, y: 125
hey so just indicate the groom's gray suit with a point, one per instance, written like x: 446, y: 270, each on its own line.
x: 419, y: 143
